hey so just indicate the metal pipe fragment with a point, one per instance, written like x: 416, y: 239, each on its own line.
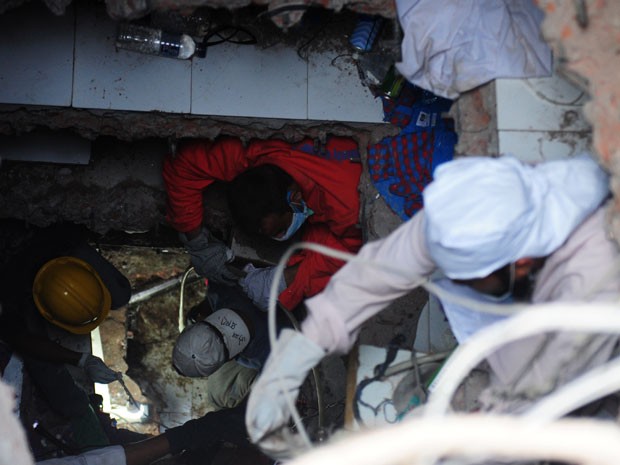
x: 156, y: 289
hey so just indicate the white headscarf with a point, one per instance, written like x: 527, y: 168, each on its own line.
x: 483, y: 213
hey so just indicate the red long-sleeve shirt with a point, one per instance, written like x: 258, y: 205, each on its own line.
x: 328, y: 187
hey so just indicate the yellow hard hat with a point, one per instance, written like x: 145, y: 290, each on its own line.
x: 69, y: 293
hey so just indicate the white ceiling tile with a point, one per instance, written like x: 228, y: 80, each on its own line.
x: 36, y: 56
x: 335, y: 92
x: 124, y: 80
x: 244, y: 80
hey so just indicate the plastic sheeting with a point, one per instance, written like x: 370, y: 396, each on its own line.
x: 451, y: 46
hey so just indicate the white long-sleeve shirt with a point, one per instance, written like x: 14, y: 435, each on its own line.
x: 578, y: 271
x: 359, y: 290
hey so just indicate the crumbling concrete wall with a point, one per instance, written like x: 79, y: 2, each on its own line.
x: 131, y: 126
x: 585, y: 36
x: 122, y: 189
x: 133, y: 9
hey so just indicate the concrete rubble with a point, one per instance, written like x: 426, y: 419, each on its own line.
x: 585, y: 36
x: 132, y: 9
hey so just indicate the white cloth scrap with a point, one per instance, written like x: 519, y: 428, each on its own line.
x: 484, y: 213
x: 452, y: 46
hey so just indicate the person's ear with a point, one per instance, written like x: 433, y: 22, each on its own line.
x: 523, y: 267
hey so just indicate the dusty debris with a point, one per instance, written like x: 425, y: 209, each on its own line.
x: 585, y: 36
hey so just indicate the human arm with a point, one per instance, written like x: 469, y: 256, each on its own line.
x: 354, y: 294
x: 202, y: 433
x: 213, y: 428
x: 268, y: 414
x: 209, y: 256
x: 147, y: 451
x: 307, y: 272
x: 40, y: 347
x: 137, y: 453
x: 197, y: 165
x: 257, y: 283
x: 358, y: 291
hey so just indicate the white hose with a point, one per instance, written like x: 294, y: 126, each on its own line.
x: 271, y: 321
x: 181, y: 293
x: 583, y: 318
x: 595, y: 384
x: 412, y: 442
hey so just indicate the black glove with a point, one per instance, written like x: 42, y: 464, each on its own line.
x: 209, y: 258
x: 97, y: 370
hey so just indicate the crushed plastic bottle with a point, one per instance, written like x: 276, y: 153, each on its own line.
x: 365, y: 32
x: 154, y: 42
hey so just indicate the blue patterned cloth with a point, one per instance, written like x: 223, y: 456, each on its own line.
x: 403, y: 165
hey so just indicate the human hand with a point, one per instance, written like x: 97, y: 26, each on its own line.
x: 257, y: 284
x: 268, y: 411
x: 96, y: 370
x: 209, y: 258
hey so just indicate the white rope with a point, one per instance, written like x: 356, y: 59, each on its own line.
x: 595, y: 384
x: 583, y: 318
x: 412, y: 442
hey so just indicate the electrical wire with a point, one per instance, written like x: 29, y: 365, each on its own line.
x: 271, y: 325
x: 233, y: 31
x: 379, y: 370
x: 346, y: 256
x: 542, y: 96
x: 422, y: 360
x: 181, y: 293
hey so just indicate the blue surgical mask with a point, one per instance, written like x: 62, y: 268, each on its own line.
x: 300, y: 213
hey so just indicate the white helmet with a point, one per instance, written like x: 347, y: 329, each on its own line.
x: 205, y: 346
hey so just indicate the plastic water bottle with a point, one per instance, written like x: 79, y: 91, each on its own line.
x: 365, y: 32
x: 154, y: 41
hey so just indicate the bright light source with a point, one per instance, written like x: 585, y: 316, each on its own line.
x: 130, y: 416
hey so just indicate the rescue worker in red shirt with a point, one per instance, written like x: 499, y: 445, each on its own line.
x: 275, y: 188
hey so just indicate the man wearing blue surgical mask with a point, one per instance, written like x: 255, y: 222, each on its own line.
x: 275, y: 189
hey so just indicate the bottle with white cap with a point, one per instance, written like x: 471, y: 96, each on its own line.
x: 154, y: 41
